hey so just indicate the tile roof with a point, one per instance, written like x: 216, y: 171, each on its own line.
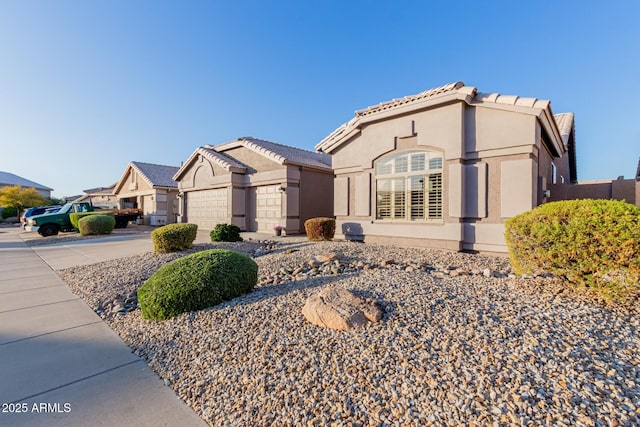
x: 457, y: 90
x: 101, y: 190
x: 157, y: 175
x: 282, y: 154
x: 7, y: 178
x: 409, y: 99
x: 565, y: 126
x: 222, y: 159
x: 516, y: 100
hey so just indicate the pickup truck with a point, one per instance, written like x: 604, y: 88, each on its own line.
x: 50, y: 224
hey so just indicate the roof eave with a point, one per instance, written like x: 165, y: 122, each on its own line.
x: 241, y: 142
x: 547, y: 120
x: 178, y: 175
x: 120, y: 182
x: 354, y: 127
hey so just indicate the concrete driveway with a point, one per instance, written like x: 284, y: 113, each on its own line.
x: 90, y: 251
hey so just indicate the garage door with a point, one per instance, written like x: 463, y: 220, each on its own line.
x: 207, y: 208
x: 268, y: 208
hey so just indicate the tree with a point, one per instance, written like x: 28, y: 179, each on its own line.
x: 56, y: 201
x: 21, y: 198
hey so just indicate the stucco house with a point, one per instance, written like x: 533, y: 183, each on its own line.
x: 446, y: 167
x: 256, y: 185
x: 102, y: 197
x: 8, y: 179
x: 151, y: 189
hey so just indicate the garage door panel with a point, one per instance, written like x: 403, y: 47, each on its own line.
x: 269, y: 207
x: 206, y: 208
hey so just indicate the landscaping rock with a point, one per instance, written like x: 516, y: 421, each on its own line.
x: 322, y: 258
x: 337, y: 308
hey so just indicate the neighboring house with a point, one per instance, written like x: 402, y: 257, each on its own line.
x: 9, y: 180
x: 102, y: 197
x: 255, y: 185
x: 446, y: 167
x: 151, y: 189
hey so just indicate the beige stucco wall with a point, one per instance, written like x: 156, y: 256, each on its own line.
x: 256, y: 162
x: 619, y: 189
x: 316, y: 195
x: 490, y: 173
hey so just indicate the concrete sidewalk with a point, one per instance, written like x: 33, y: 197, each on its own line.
x: 60, y: 365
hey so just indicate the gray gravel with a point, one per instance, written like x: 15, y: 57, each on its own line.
x: 463, y: 342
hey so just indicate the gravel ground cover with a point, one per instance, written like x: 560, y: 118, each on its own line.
x: 463, y: 342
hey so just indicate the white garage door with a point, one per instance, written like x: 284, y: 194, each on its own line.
x: 207, y: 208
x: 268, y: 208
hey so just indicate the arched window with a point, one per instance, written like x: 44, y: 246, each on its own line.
x: 409, y: 186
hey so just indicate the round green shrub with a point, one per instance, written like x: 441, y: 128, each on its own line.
x: 320, y: 228
x: 76, y: 216
x: 196, y: 281
x: 225, y: 233
x: 96, y: 224
x: 593, y: 243
x: 173, y: 237
x: 9, y: 212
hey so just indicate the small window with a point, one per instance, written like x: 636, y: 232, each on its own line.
x: 435, y: 163
x: 417, y: 162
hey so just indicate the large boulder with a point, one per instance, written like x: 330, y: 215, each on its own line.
x: 337, y: 308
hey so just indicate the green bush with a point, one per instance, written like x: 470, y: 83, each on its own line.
x: 225, y: 233
x: 96, y: 224
x: 76, y: 216
x: 320, y: 228
x: 9, y: 212
x: 196, y: 281
x: 173, y: 237
x: 593, y: 243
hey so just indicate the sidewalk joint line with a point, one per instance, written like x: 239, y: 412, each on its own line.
x: 52, y: 332
x: 78, y: 380
x: 39, y: 305
x: 31, y: 289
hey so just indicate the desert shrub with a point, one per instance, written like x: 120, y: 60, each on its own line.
x: 9, y: 212
x: 320, y: 228
x: 592, y: 243
x: 225, y: 233
x: 196, y: 281
x: 96, y: 224
x: 76, y: 216
x: 173, y: 237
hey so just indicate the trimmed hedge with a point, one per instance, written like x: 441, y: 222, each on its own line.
x: 320, y: 228
x: 225, y: 233
x: 173, y: 237
x: 592, y: 243
x: 9, y: 212
x: 195, y: 282
x: 76, y: 216
x: 96, y: 224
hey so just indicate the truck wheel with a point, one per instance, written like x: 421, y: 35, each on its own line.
x: 48, y: 230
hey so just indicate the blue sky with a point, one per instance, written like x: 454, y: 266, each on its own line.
x: 88, y: 86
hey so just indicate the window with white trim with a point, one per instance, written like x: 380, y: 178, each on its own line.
x: 409, y: 186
